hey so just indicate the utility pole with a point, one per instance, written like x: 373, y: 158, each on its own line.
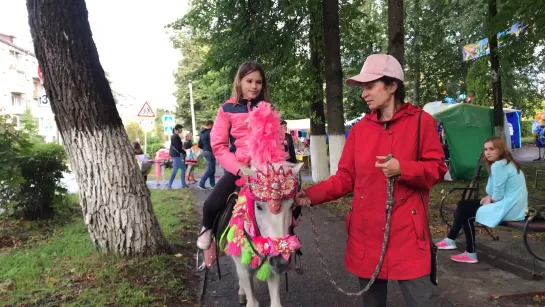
x: 194, y: 127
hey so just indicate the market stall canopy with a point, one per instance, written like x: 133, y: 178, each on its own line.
x: 299, y: 124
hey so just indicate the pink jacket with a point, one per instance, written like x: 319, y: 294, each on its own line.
x: 230, y: 133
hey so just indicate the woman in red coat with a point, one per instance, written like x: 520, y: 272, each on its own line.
x: 390, y: 128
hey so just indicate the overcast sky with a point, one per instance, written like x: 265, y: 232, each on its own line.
x: 131, y: 40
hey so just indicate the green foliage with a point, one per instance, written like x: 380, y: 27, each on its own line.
x: 134, y: 132
x: 41, y: 170
x: 30, y: 172
x: 216, y: 36
x: 154, y: 144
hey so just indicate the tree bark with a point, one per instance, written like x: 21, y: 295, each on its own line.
x: 334, y: 86
x: 417, y: 59
x: 396, y: 36
x: 495, y: 70
x: 318, y: 146
x: 115, y: 201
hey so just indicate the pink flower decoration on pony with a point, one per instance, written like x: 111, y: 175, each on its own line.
x: 284, y: 246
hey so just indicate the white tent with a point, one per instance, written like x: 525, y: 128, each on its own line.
x: 436, y: 107
x: 354, y: 121
x: 299, y: 124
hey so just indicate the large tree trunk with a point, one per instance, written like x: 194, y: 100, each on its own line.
x: 495, y: 70
x: 333, y: 81
x: 396, y: 36
x: 318, y: 147
x: 115, y: 201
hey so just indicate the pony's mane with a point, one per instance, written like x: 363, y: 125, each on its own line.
x: 266, y: 141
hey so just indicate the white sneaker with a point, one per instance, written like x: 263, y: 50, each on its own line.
x: 205, y: 238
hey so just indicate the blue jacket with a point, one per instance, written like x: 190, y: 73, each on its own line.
x: 509, y: 192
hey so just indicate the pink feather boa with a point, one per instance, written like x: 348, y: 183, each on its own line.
x: 266, y: 141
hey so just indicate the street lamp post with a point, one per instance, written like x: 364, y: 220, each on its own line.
x: 194, y: 128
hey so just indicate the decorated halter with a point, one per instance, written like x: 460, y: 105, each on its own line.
x: 270, y: 186
x: 273, y: 186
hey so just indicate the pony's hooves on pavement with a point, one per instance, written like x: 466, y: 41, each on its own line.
x: 242, y: 299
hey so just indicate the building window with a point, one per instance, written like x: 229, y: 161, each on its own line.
x: 14, y: 57
x: 16, y: 99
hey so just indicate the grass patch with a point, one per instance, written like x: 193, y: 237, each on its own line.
x: 63, y: 268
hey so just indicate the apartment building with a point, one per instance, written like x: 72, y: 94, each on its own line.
x: 21, y: 87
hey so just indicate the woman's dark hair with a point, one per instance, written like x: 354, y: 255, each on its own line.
x: 137, y: 148
x: 245, y: 69
x: 400, y: 92
x: 178, y: 126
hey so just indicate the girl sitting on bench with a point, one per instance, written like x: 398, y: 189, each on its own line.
x: 506, y: 200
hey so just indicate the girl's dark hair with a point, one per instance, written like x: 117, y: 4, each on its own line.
x: 178, y: 126
x: 245, y: 69
x: 400, y: 92
x: 137, y: 148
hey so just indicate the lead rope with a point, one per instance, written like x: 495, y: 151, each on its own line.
x: 389, y: 204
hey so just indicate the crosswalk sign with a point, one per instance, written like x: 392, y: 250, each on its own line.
x: 146, y: 111
x: 167, y: 130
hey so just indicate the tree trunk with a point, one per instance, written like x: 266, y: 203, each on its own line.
x: 416, y: 42
x: 333, y: 81
x: 495, y: 71
x: 396, y: 36
x: 115, y: 201
x: 318, y: 146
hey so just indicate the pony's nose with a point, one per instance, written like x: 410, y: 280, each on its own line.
x: 279, y: 264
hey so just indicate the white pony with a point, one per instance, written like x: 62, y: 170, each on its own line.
x: 258, y: 239
x: 258, y: 236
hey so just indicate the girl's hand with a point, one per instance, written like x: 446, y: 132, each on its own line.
x: 487, y: 200
x: 301, y: 199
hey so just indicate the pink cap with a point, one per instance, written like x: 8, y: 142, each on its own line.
x: 375, y: 67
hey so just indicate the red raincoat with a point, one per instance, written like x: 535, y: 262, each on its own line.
x: 408, y: 252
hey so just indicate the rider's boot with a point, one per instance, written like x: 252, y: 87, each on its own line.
x: 205, y: 238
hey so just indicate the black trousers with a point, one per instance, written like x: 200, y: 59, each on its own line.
x: 465, y: 217
x: 417, y: 292
x: 217, y: 200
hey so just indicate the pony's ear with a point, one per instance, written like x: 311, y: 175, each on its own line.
x: 247, y: 171
x: 295, y: 170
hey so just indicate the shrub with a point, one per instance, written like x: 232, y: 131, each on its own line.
x: 41, y: 171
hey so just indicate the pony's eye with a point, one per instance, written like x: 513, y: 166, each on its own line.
x: 258, y: 207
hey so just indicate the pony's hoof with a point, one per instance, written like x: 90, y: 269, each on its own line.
x: 242, y: 299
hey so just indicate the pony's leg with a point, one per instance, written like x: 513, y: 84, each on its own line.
x: 241, y: 295
x: 245, y: 283
x: 274, y: 290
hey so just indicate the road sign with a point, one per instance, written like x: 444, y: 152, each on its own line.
x: 168, y: 120
x: 146, y: 124
x: 146, y: 111
x: 168, y: 124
